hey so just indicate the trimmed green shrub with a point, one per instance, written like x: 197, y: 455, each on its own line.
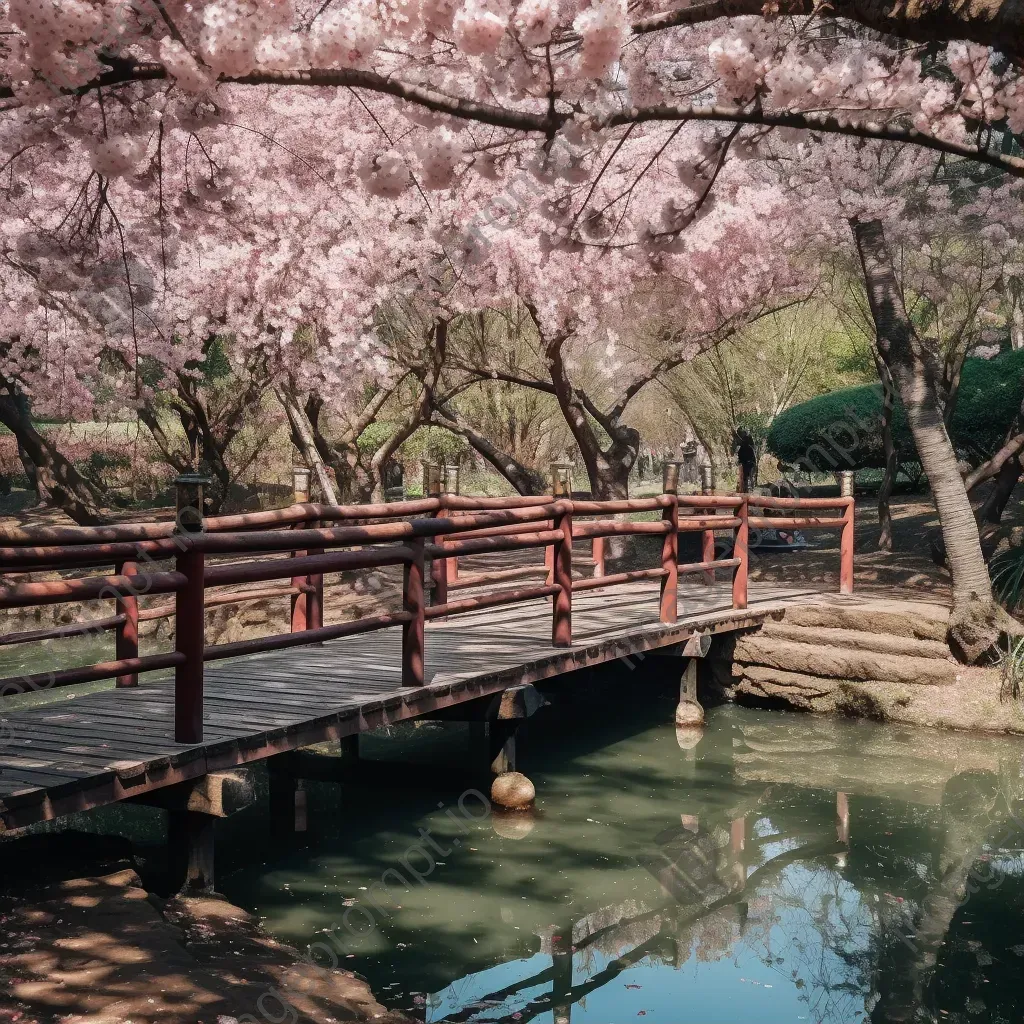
x: 842, y: 429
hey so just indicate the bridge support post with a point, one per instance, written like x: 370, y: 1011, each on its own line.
x: 501, y: 742
x: 288, y: 809
x: 288, y: 772
x: 126, y: 640
x: 741, y: 550
x: 190, y: 842
x: 192, y: 810
x: 412, y: 631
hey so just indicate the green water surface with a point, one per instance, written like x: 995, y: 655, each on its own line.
x: 775, y: 868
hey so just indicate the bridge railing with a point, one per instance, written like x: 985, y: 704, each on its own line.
x: 292, y: 550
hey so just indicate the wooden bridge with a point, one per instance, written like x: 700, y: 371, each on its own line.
x: 162, y: 740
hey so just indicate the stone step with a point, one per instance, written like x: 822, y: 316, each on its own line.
x: 918, y: 620
x: 857, y: 640
x: 842, y: 663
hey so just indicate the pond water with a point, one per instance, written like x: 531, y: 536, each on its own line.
x: 782, y: 869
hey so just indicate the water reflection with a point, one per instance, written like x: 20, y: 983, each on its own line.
x: 782, y: 868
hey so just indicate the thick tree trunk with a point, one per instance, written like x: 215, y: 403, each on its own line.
x: 354, y: 483
x: 610, y: 478
x: 607, y: 469
x: 976, y: 621
x: 891, y: 463
x: 55, y: 476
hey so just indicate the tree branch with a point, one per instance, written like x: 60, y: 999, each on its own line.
x: 124, y: 72
x: 996, y: 23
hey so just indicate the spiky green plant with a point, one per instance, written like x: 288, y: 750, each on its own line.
x: 1011, y: 664
x: 1007, y: 572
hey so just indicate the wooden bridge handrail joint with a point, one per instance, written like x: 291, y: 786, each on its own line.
x: 447, y: 527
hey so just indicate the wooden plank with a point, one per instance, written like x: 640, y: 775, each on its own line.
x: 71, y: 756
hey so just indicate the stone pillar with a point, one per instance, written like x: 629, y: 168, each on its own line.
x: 450, y: 478
x: 300, y: 483
x: 670, y: 475
x: 190, y: 495
x: 561, y: 479
x: 431, y: 480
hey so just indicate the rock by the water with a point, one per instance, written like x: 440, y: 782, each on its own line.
x: 513, y: 791
x: 689, y: 713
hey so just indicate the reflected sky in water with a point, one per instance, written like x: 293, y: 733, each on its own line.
x: 779, y: 868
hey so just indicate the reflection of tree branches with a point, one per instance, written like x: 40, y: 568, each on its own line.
x: 826, y: 928
x: 811, y: 851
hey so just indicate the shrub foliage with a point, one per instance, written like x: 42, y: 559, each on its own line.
x: 842, y: 429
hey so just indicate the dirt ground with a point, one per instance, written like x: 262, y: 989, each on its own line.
x: 99, y: 949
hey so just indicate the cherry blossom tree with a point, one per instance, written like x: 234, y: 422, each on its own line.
x: 274, y: 164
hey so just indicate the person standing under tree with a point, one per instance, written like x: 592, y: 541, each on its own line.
x: 746, y: 455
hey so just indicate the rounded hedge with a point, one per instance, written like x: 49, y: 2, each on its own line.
x: 842, y: 429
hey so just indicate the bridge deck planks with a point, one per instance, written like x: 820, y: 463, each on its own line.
x: 97, y: 748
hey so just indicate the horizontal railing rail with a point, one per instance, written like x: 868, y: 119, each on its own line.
x: 288, y: 552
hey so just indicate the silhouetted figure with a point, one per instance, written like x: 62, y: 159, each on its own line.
x: 746, y: 455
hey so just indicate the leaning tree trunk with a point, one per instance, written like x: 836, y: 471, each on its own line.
x: 302, y: 436
x: 1006, y: 480
x: 54, y: 475
x: 891, y: 463
x: 525, y: 479
x: 1006, y: 467
x: 977, y: 621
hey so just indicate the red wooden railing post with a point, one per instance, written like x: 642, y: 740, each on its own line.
x: 189, y: 640
x: 549, y: 557
x: 439, y: 569
x: 741, y: 550
x: 126, y: 640
x: 315, y: 597
x: 300, y: 601
x: 670, y: 564
x: 561, y: 616
x: 707, y: 551
x: 451, y: 565
x: 846, y: 550
x: 412, y: 630
x: 315, y: 604
x: 597, y: 552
